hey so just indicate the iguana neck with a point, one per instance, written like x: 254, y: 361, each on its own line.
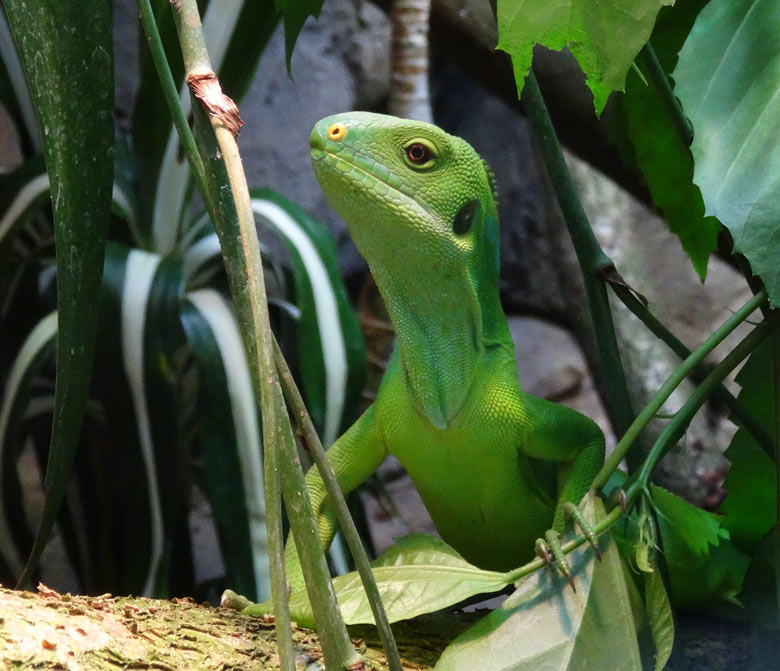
x: 443, y: 326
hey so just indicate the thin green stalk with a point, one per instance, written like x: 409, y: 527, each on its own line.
x: 650, y: 410
x: 776, y: 393
x: 592, y: 259
x: 682, y: 418
x: 308, y: 432
x: 171, y: 94
x: 238, y: 237
x: 656, y: 74
x: 655, y: 326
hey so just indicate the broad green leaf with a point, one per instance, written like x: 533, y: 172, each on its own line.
x: 694, y: 528
x: 603, y: 36
x: 704, y: 565
x: 230, y: 440
x: 728, y: 79
x: 546, y: 625
x: 331, y: 353
x: 38, y: 347
x: 67, y: 53
x: 294, y: 14
x: 419, y: 574
x: 658, y: 152
x: 749, y: 508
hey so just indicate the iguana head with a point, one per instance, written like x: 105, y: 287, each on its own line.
x: 420, y: 206
x: 406, y: 188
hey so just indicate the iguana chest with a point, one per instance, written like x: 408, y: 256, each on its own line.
x: 472, y: 476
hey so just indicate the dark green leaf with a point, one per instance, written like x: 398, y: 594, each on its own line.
x: 727, y: 79
x: 658, y: 151
x: 331, y: 352
x: 66, y: 50
x: 37, y: 349
x: 604, y: 37
x: 749, y: 508
x: 704, y: 565
x: 229, y: 440
x: 294, y: 13
x: 692, y: 528
x: 546, y: 625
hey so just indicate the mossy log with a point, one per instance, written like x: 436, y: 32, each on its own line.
x: 48, y: 630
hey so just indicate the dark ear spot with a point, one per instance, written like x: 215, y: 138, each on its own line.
x: 465, y: 217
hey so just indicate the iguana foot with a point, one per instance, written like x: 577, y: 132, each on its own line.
x: 572, y: 512
x: 549, y: 547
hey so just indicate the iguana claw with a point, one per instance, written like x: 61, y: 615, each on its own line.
x: 550, y: 550
x: 570, y: 511
x: 543, y: 551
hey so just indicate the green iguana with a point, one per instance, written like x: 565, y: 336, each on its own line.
x: 496, y: 468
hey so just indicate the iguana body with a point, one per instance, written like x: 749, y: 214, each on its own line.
x: 492, y: 464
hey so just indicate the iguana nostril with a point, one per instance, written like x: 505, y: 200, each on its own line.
x: 337, y: 132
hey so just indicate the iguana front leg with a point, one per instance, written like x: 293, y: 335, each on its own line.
x: 576, y: 444
x: 353, y: 457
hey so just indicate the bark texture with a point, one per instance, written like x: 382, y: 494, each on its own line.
x: 49, y: 630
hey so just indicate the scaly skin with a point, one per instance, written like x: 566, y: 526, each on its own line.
x: 493, y: 465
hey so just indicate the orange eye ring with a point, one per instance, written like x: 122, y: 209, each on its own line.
x: 337, y: 132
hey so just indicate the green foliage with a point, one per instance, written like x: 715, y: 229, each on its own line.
x: 416, y: 575
x: 657, y: 150
x: 67, y: 55
x: 172, y: 401
x: 704, y: 565
x: 545, y: 624
x: 604, y: 37
x: 295, y: 13
x: 749, y: 508
x: 727, y: 79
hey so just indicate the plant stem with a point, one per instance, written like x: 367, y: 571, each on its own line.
x: 235, y: 226
x: 675, y: 429
x: 656, y: 74
x: 655, y: 326
x: 171, y: 94
x: 591, y: 257
x: 308, y: 432
x: 649, y: 411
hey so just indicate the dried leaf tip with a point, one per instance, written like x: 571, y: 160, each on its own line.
x: 205, y: 87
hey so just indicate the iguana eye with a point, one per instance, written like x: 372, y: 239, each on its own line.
x: 418, y: 153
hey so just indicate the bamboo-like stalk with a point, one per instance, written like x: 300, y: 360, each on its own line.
x: 592, y: 259
x: 309, y: 434
x: 171, y: 95
x: 217, y: 122
x: 679, y: 374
